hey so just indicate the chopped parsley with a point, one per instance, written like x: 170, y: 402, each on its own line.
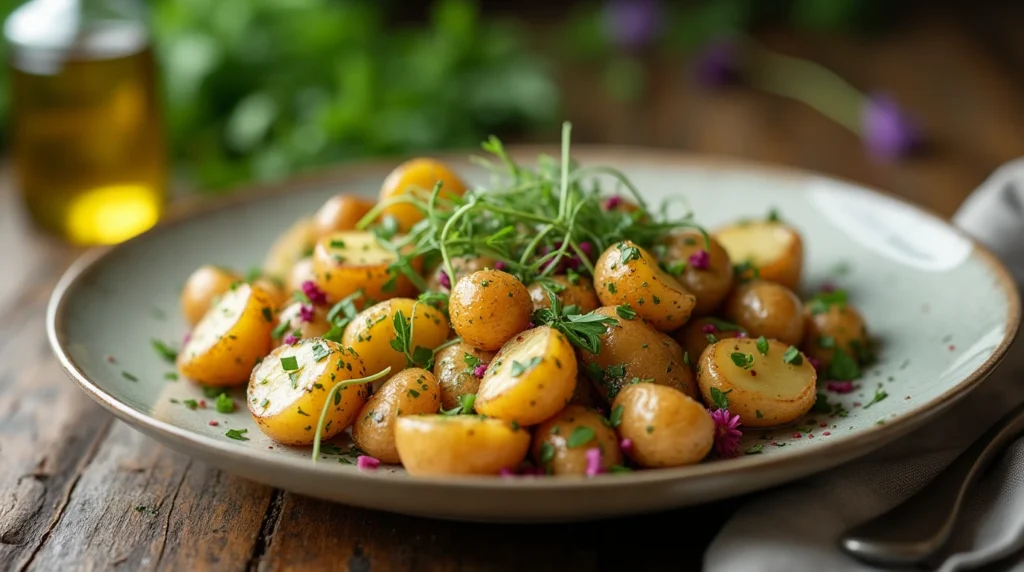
x: 320, y: 352
x: 746, y: 361
x: 720, y: 398
x: 616, y: 417
x: 268, y: 315
x: 237, y: 434
x: 289, y: 363
x: 880, y: 394
x: 762, y: 345
x: 625, y: 312
x: 822, y: 301
x: 163, y: 350
x: 843, y: 366
x: 754, y: 449
x: 580, y: 436
x: 129, y: 376
x: 792, y: 356
x: 225, y: 404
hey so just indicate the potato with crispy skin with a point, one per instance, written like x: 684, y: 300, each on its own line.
x: 833, y: 328
x: 767, y: 309
x: 411, y: 391
x: 664, y: 427
x: 703, y: 267
x: 488, y: 308
x: 455, y: 368
x: 340, y: 212
x: 628, y: 274
x: 561, y: 444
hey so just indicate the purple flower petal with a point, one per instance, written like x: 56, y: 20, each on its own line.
x: 632, y: 24
x: 289, y: 340
x: 365, y: 462
x: 444, y: 280
x: 306, y: 313
x: 700, y: 260
x: 593, y: 456
x: 887, y: 132
x: 717, y: 63
x: 314, y: 293
x: 480, y: 370
x: 500, y: 265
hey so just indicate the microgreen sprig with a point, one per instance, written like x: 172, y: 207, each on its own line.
x: 329, y: 402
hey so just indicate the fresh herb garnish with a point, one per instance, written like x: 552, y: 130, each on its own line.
x: 880, y: 394
x: 843, y: 367
x: 625, y: 312
x: 225, y: 404
x: 320, y: 352
x: 334, y: 396
x: 289, y: 363
x: 547, y: 453
x: 762, y: 345
x: 582, y: 330
x: 792, y: 356
x: 754, y: 449
x: 280, y: 330
x: 821, y: 404
x: 129, y: 376
x: 404, y: 329
x: 827, y: 341
x: 518, y: 369
x: 191, y: 404
x: 616, y: 417
x: 746, y: 361
x: 723, y: 326
x: 465, y: 406
x: 237, y: 434
x: 580, y: 436
x: 822, y: 301
x: 165, y: 351
x: 171, y: 376
x: 720, y: 398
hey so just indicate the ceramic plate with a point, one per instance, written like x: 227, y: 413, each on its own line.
x: 943, y: 307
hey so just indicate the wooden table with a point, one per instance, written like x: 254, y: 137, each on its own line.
x: 80, y: 490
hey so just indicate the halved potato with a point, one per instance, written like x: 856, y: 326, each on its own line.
x: 628, y: 274
x: 560, y: 444
x: 488, y: 308
x: 766, y: 309
x: 274, y: 289
x: 632, y: 351
x: 340, y: 212
x: 530, y: 379
x: 458, y: 444
x: 345, y: 262
x: 579, y: 293
x: 417, y: 175
x: 665, y: 428
x: 699, y: 333
x: 706, y: 268
x: 765, y: 390
x: 230, y: 339
x: 774, y: 248
x: 412, y: 391
x: 371, y: 332
x: 288, y: 390
x: 453, y: 367
x: 202, y: 288
x: 838, y: 327
x: 292, y: 245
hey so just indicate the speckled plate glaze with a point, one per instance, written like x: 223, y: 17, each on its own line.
x: 943, y: 307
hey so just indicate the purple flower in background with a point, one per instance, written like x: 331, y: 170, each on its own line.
x: 306, y: 313
x: 444, y: 280
x: 631, y: 24
x: 885, y: 129
x: 717, y: 63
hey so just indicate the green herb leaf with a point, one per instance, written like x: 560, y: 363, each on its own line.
x: 191, y: 404
x: 720, y: 398
x: 746, y: 361
x: 723, y: 326
x: 518, y: 369
x: 268, y: 314
x: 843, y: 367
x: 792, y: 356
x: 280, y: 330
x: 289, y: 363
x: 754, y: 449
x: 225, y: 404
x: 163, y: 350
x: 212, y: 392
x: 580, y: 436
x: 627, y: 252
x: 821, y: 404
x: 822, y: 301
x: 762, y: 345
x: 625, y: 312
x: 711, y: 338
x: 320, y: 352
x: 827, y: 342
x: 616, y: 417
x: 547, y: 453
x: 471, y: 361
x: 129, y: 376
x: 880, y: 394
x: 237, y: 434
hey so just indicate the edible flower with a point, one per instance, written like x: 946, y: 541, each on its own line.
x: 314, y: 293
x: 480, y: 370
x: 444, y: 280
x: 886, y: 130
x: 708, y: 329
x: 367, y: 463
x: 626, y: 444
x: 727, y: 434
x: 306, y: 313
x: 612, y: 202
x: 840, y: 386
x: 593, y: 456
x: 700, y: 260
x: 500, y: 265
x: 632, y: 24
x: 290, y: 339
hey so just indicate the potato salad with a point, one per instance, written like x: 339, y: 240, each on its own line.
x: 546, y: 321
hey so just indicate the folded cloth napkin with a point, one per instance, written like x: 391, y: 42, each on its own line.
x: 795, y: 528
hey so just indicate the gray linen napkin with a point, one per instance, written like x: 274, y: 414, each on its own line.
x: 794, y: 528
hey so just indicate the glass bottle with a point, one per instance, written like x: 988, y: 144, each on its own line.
x: 87, y: 139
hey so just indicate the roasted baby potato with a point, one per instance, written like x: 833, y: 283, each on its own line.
x: 560, y: 444
x: 706, y: 270
x: 417, y: 175
x: 340, y: 212
x: 700, y: 333
x: 664, y: 427
x: 530, y: 379
x: 411, y: 391
x: 230, y: 339
x: 274, y: 290
x: 765, y: 388
x: 633, y: 351
x: 488, y: 308
x: 774, y: 248
x: 458, y: 444
x: 371, y: 332
x: 288, y: 390
x: 303, y: 271
x: 767, y: 309
x: 454, y: 368
x: 579, y: 293
x: 345, y: 262
x: 628, y: 274
x: 292, y: 245
x: 202, y: 288
x: 303, y: 321
x: 834, y: 327
x: 463, y: 266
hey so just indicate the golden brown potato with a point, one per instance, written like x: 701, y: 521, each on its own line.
x: 304, y: 321
x: 834, y: 327
x: 664, y: 427
x: 459, y: 444
x: 628, y: 274
x: 202, y: 288
x: 302, y: 272
x: 418, y: 175
x: 581, y: 294
x: 700, y: 333
x: 561, y: 444
x: 531, y: 378
x: 288, y: 390
x: 767, y: 309
x: 488, y: 308
x: 340, y: 212
x: 455, y: 372
x: 409, y: 392
x: 274, y: 290
x: 766, y: 386
x: 293, y: 245
x: 371, y: 332
x: 463, y: 266
x: 773, y: 247
x: 633, y: 351
x: 348, y: 261
x: 585, y: 393
x: 706, y: 271
x: 230, y: 339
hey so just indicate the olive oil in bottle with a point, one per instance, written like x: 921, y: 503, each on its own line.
x: 87, y: 138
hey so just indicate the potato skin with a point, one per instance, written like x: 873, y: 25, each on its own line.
x: 710, y: 285
x: 372, y: 330
x: 343, y: 270
x: 531, y: 378
x: 654, y: 295
x: 488, y: 308
x: 294, y: 244
x: 463, y: 266
x: 586, y: 393
x: 314, y: 329
x: 203, y: 286
x: 303, y: 271
x: 769, y: 393
x: 767, y: 309
x: 229, y: 340
x: 458, y: 444
x: 694, y: 339
x: 572, y: 460
x: 288, y: 412
x: 274, y: 290
x: 340, y: 212
x: 454, y: 377
x: 645, y: 353
x: 421, y: 174
x: 843, y: 324
x: 786, y: 267
x: 411, y: 391
x: 666, y: 428
x: 581, y: 294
